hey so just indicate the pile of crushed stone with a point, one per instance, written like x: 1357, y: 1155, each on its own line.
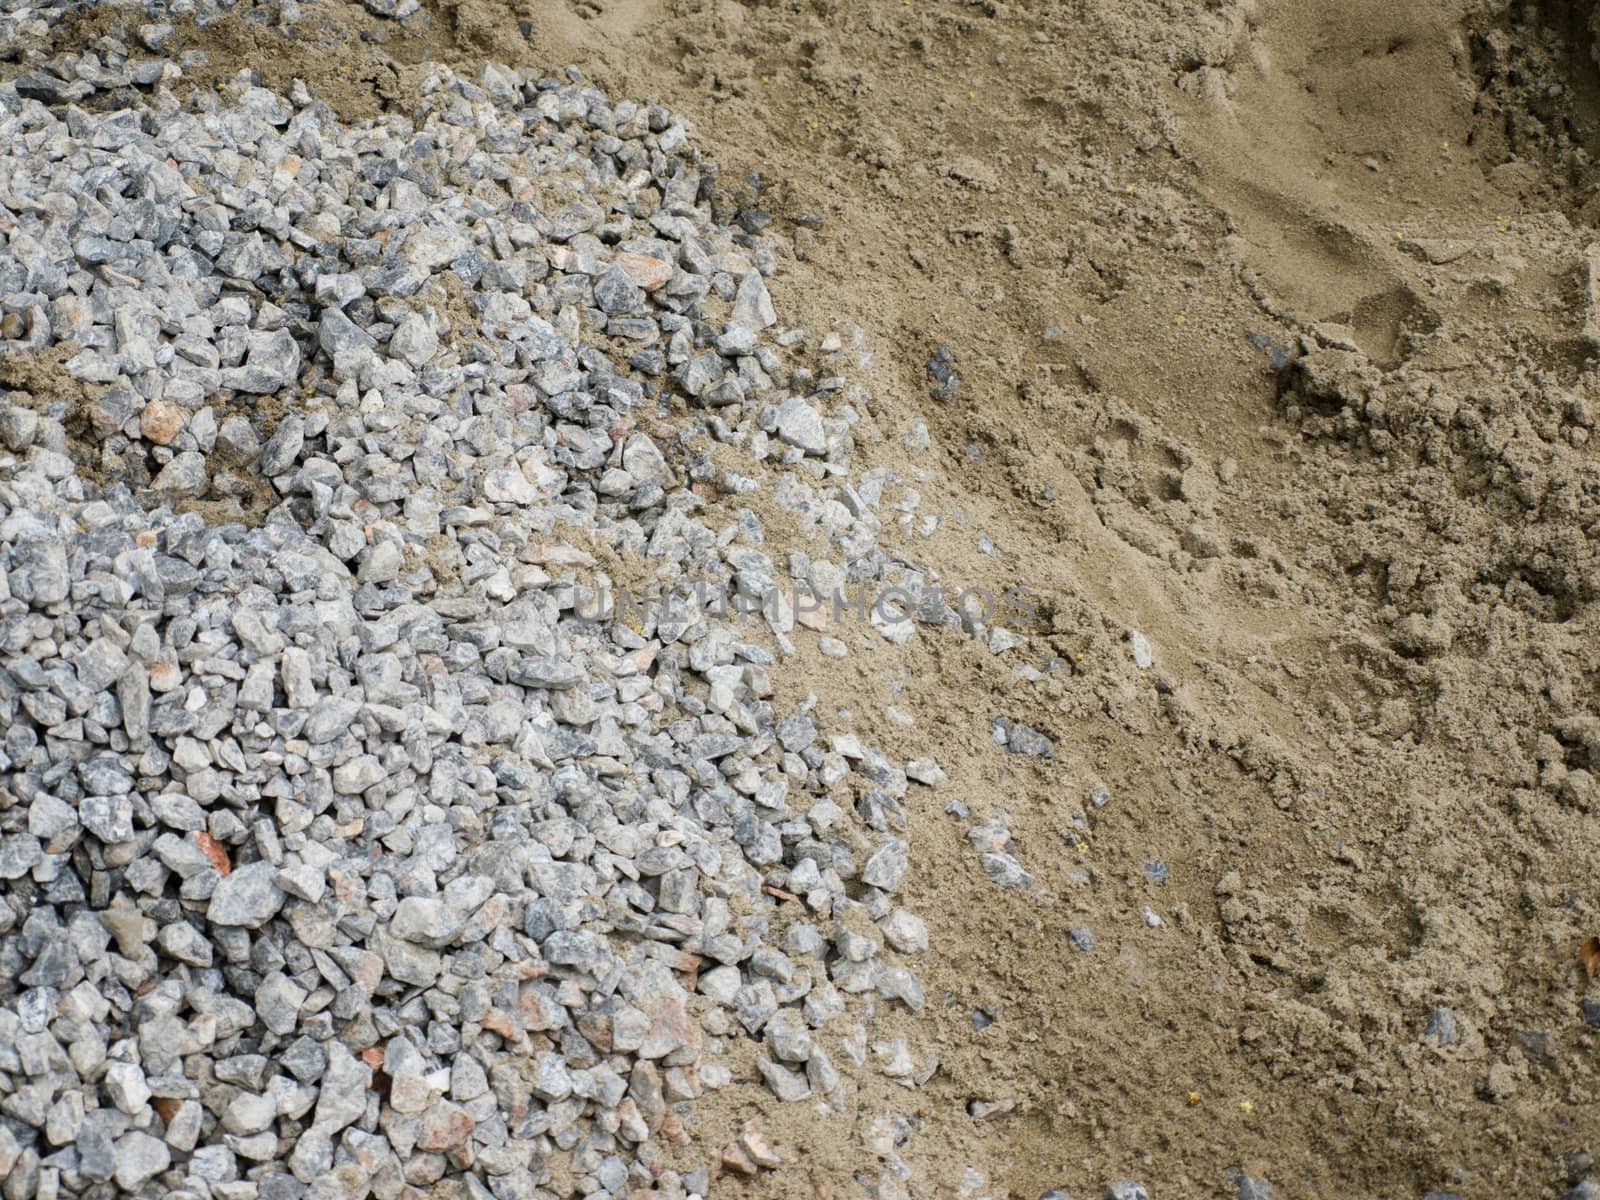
x: 355, y: 838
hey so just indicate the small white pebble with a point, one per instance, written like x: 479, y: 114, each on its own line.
x: 1139, y: 645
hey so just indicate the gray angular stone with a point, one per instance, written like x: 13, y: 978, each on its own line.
x: 100, y: 664
x: 1005, y: 871
x: 786, y: 1084
x: 271, y: 362
x: 182, y: 941
x: 427, y: 921
x: 1441, y: 1027
x: 19, y: 854
x: 801, y: 425
x: 788, y: 1037
x: 357, y: 775
x: 305, y: 1059
x: 752, y: 305
x: 551, y: 1081
x: 337, y: 333
x: 183, y: 1131
x: 303, y: 881
x: 248, y: 1113
x: 125, y: 1084
x: 185, y: 475
x: 109, y: 818
x: 139, y: 1158
x: 237, y: 441
x: 248, y: 897
x: 39, y: 573
x: 1251, y: 1187
x: 284, y: 446
x: 414, y: 340
x: 899, y: 983
x: 396, y: 10
x: 18, y: 426
x: 133, y: 697
x: 342, y: 1097
x: 409, y: 963
x: 615, y: 293
x: 49, y: 818
x: 887, y: 866
x: 279, y: 1002
x: 905, y: 932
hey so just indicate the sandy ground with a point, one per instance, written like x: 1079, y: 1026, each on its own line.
x: 1271, y: 326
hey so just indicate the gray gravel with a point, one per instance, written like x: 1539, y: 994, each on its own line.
x: 366, y: 845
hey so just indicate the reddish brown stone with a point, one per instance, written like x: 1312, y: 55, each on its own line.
x: 595, y: 1027
x: 160, y: 422
x: 754, y: 1143
x: 499, y: 1022
x: 672, y: 1129
x: 213, y: 850
x: 672, y: 1025
x: 645, y: 271
x: 444, y: 1127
